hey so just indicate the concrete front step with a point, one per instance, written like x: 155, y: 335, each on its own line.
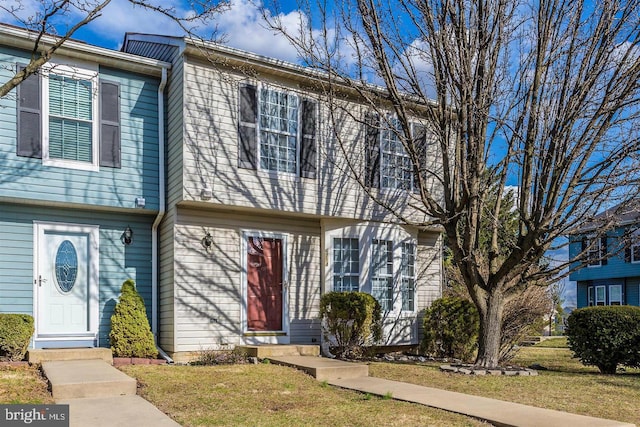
x: 324, y: 369
x: 270, y: 351
x: 46, y: 355
x: 74, y: 379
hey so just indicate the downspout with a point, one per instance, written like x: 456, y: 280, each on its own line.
x: 161, y: 212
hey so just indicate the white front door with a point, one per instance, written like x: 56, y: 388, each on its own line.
x: 66, y: 284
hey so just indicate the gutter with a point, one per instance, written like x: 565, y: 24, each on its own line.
x: 161, y: 212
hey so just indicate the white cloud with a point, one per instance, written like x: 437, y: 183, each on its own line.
x: 244, y: 28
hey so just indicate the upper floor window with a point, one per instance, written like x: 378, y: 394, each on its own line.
x: 388, y: 165
x: 635, y: 253
x: 346, y: 265
x: 58, y: 118
x: 396, y: 169
x: 276, y: 131
x: 595, y: 250
x: 70, y: 119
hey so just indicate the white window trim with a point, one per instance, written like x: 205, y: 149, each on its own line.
x: 291, y: 175
x: 395, y: 288
x: 415, y: 263
x: 591, y: 296
x: 621, y: 296
x: 332, y: 249
x: 597, y: 248
x: 633, y: 260
x: 595, y: 296
x: 82, y: 71
x: 384, y: 126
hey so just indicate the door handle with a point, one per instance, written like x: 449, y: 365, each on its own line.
x: 41, y: 280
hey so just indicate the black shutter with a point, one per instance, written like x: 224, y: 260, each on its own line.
x: 583, y: 248
x: 420, y: 146
x: 603, y: 250
x: 247, y: 129
x: 372, y: 150
x: 627, y: 252
x: 308, y: 151
x: 110, y: 125
x: 29, y: 139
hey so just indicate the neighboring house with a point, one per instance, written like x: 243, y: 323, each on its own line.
x: 263, y: 216
x: 609, y: 273
x: 80, y: 149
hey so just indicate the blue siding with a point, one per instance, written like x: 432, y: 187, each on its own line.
x: 633, y: 291
x: 26, y: 178
x: 581, y: 295
x: 117, y: 262
x: 616, y: 266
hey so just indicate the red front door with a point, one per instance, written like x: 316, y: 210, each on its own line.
x: 264, y: 284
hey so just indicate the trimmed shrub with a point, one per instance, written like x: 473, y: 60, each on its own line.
x: 350, y: 321
x: 130, y: 334
x: 15, y: 333
x: 605, y: 336
x: 451, y: 328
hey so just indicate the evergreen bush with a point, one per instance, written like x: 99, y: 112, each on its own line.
x: 451, y: 328
x: 15, y: 334
x: 350, y: 321
x: 605, y: 336
x: 130, y: 334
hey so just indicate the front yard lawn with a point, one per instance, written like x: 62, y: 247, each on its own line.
x: 271, y: 395
x: 567, y: 385
x: 23, y: 384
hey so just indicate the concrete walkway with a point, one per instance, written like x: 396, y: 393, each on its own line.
x: 497, y: 412
x: 100, y: 395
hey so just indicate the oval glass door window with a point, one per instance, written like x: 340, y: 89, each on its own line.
x: 66, y: 265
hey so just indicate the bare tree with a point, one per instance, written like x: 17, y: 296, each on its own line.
x: 544, y: 94
x: 56, y: 21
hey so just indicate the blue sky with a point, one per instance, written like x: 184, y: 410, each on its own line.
x: 241, y: 25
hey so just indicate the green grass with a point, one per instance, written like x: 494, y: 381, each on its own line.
x: 567, y: 385
x: 555, y: 342
x: 23, y: 384
x: 271, y: 395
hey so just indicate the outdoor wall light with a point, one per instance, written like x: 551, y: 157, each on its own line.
x: 207, y: 241
x: 127, y: 236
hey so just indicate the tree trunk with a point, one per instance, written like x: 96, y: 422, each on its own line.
x: 490, y: 330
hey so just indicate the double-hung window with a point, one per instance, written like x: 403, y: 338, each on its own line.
x: 382, y: 273
x: 69, y: 118
x: 71, y: 114
x: 595, y: 248
x: 276, y: 131
x: 388, y: 164
x: 396, y: 168
x: 346, y: 265
x: 590, y: 296
x: 635, y: 253
x: 601, y: 295
x: 407, y: 276
x: 615, y: 295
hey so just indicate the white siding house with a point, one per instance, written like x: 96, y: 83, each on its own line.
x: 263, y: 215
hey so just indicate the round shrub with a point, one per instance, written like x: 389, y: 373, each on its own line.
x: 451, y: 328
x: 15, y: 334
x: 130, y: 334
x: 350, y: 321
x: 605, y: 336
